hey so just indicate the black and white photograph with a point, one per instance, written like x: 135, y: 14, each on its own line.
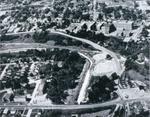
x: 74, y: 58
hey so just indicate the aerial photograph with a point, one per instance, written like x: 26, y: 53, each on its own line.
x: 74, y: 58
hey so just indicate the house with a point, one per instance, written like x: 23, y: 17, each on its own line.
x: 8, y: 97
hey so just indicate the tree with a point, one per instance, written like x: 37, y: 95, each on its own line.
x: 47, y: 10
x: 15, y: 84
x: 100, y: 17
x: 38, y: 24
x: 100, y: 37
x: 11, y: 98
x: 65, y: 23
x: 84, y: 27
x: 93, y: 27
x: 112, y: 28
x: 117, y: 14
x: 145, y: 33
x: 60, y: 79
x: 101, y: 89
x: 108, y: 57
x: 85, y: 16
x: 77, y: 14
x: 148, y: 2
x: 24, y: 78
x: 49, y: 18
x: 52, y: 24
x: 114, y: 76
x: 129, y: 64
x: 40, y: 37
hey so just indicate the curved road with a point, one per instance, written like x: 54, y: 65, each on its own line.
x: 98, y: 47
x: 74, y: 107
x: 94, y: 45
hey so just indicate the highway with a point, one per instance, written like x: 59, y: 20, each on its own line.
x: 73, y: 107
x: 94, y: 45
x: 28, y: 46
x: 62, y: 107
x: 25, y: 46
x: 98, y: 47
x: 16, y: 47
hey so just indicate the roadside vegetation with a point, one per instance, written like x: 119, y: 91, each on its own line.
x: 59, y: 40
x: 60, y: 79
x: 102, y: 89
x: 60, y: 69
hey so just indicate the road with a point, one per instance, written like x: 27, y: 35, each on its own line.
x: 9, y: 7
x: 87, y: 76
x: 63, y: 107
x: 98, y: 47
x: 94, y: 10
x: 84, y: 87
x: 74, y: 107
x: 94, y: 45
x: 86, y: 82
x: 15, y: 47
x: 4, y: 71
x: 53, y: 1
x: 34, y: 94
x: 137, y: 33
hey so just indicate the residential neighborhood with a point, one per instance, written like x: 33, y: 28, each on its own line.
x: 74, y: 58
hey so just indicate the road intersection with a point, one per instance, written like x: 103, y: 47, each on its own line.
x: 118, y: 68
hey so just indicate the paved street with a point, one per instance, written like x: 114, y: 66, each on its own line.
x: 73, y: 107
x: 85, y: 84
